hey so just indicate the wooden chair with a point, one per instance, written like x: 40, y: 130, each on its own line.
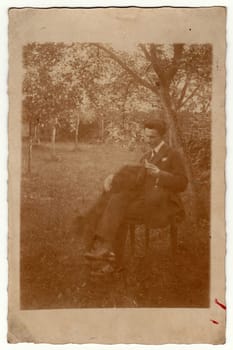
x: 172, y: 227
x: 129, y: 228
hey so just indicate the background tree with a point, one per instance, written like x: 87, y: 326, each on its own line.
x: 66, y: 86
x: 40, y: 103
x: 174, y: 73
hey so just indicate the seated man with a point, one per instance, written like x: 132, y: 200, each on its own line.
x: 149, y: 190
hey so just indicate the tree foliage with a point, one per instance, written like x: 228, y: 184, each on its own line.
x: 66, y: 85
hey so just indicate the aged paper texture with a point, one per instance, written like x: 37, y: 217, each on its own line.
x: 89, y: 91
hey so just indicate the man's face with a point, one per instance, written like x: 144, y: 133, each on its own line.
x: 152, y: 137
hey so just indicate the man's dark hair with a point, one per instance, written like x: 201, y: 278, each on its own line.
x: 156, y: 124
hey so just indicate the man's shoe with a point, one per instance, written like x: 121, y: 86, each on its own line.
x: 100, y: 254
x: 103, y: 271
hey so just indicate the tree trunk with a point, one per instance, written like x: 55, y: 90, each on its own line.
x: 176, y: 140
x: 76, y: 131
x: 37, y: 134
x: 53, y: 141
x: 29, y: 149
x: 102, y: 129
x: 123, y: 120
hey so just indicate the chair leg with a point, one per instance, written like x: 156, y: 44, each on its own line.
x: 132, y: 238
x: 147, y: 238
x: 173, y: 237
x: 119, y: 246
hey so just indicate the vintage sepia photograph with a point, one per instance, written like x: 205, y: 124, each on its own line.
x: 116, y: 175
x: 116, y: 166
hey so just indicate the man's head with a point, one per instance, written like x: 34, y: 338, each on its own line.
x: 154, y: 131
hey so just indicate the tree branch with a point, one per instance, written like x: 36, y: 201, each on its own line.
x: 167, y: 75
x: 190, y: 96
x: 146, y: 53
x: 151, y: 62
x: 155, y: 63
x: 184, y: 89
x: 170, y: 73
x: 124, y: 65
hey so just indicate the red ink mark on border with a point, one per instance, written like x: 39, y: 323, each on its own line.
x: 214, y: 321
x: 220, y: 304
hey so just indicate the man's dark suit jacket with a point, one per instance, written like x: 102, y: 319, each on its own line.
x: 172, y: 175
x: 137, y: 184
x: 139, y: 187
x: 171, y: 178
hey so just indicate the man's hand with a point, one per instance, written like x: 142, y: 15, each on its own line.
x: 152, y: 169
x: 108, y: 183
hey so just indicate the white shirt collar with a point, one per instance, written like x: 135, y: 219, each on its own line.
x: 157, y: 148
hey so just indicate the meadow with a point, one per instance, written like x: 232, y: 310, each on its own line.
x: 53, y: 270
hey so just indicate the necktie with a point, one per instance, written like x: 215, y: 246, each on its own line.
x: 152, y: 154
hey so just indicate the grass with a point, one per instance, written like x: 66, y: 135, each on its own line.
x: 53, y: 271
